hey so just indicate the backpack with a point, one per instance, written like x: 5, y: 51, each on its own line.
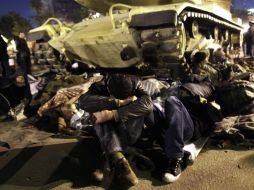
x: 236, y: 98
x: 237, y: 129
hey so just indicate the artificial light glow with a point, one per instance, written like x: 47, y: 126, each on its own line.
x: 214, y: 46
x: 245, y: 27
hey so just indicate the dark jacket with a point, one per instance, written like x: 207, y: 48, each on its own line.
x: 249, y: 41
x: 98, y: 99
x: 21, y: 45
x: 3, y: 49
x: 4, y: 63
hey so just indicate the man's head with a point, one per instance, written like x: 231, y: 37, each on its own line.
x: 22, y: 35
x: 120, y: 86
x: 251, y: 23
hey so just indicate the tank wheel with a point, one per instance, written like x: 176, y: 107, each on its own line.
x: 184, y: 41
x: 226, y: 36
x: 216, y: 33
x: 194, y: 29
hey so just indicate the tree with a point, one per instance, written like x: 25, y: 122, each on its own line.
x: 13, y: 23
x: 240, y: 13
x: 42, y: 12
x: 62, y: 10
x: 65, y: 10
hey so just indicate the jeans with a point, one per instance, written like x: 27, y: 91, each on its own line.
x: 173, y: 124
x: 114, y: 136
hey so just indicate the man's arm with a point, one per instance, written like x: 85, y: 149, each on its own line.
x: 138, y: 108
x: 92, y: 102
x: 122, y: 110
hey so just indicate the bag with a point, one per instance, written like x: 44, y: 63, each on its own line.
x: 82, y: 120
x: 235, y: 97
x: 238, y: 129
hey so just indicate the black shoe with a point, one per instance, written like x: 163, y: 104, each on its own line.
x: 187, y: 159
x: 173, y: 170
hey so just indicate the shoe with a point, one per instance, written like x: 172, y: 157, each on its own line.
x: 124, y: 175
x: 173, y: 171
x: 187, y: 159
x: 98, y: 175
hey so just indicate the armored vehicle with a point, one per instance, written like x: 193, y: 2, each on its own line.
x: 149, y: 33
x: 39, y: 37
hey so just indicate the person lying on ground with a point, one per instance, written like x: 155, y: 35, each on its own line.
x: 176, y: 121
x: 63, y: 104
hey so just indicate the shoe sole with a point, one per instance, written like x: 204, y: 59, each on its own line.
x: 169, y: 178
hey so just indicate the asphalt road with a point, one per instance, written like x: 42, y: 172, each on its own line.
x: 214, y: 169
x: 65, y: 164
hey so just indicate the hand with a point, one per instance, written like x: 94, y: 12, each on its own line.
x: 127, y: 100
x: 103, y: 116
x: 202, y: 100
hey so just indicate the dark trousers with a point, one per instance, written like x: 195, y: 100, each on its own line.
x: 24, y: 62
x: 6, y: 70
x: 173, y: 124
x: 249, y: 50
x: 114, y: 136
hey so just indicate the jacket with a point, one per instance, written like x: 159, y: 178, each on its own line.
x: 98, y: 99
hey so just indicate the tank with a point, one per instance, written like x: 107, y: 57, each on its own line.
x: 164, y: 34
x: 39, y: 37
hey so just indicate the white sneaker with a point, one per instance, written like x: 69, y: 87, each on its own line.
x: 170, y: 178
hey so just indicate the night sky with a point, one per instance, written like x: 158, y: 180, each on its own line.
x: 243, y: 4
x: 22, y: 6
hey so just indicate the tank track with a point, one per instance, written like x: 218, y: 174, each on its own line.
x: 209, y: 24
x: 166, y: 49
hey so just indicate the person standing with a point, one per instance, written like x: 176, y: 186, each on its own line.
x: 23, y: 55
x: 5, y: 69
x: 249, y: 40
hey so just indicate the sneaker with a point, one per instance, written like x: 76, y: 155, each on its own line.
x: 173, y: 171
x: 187, y: 159
x: 123, y: 173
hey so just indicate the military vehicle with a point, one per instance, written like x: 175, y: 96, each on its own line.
x: 39, y: 37
x: 160, y: 34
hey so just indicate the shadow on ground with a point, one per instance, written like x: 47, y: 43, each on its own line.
x: 46, y: 165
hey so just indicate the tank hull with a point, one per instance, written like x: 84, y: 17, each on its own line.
x: 123, y: 40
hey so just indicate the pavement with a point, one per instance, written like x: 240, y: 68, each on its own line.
x: 212, y: 170
x: 62, y: 164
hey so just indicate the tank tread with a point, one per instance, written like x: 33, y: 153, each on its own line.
x: 206, y: 16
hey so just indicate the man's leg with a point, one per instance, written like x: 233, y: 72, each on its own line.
x: 252, y: 50
x: 248, y: 49
x: 28, y: 64
x: 6, y: 68
x: 108, y: 138
x: 180, y: 130
x: 180, y: 127
x: 111, y: 144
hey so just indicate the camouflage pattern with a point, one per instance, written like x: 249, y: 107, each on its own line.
x: 65, y: 98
